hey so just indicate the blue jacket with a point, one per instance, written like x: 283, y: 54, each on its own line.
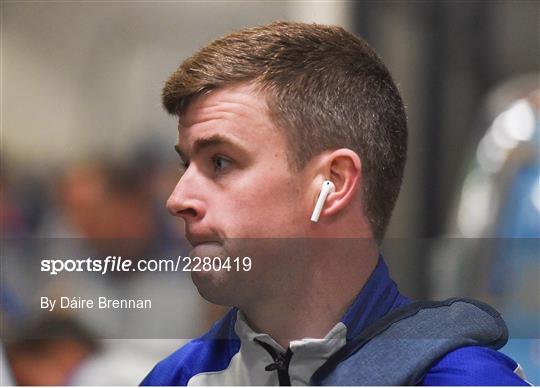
x: 231, y: 353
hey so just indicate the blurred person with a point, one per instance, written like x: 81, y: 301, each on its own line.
x: 269, y: 118
x: 103, y: 208
x: 100, y: 200
x: 111, y: 204
x: 49, y: 352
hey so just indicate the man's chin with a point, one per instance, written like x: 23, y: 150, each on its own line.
x: 222, y: 279
x: 213, y: 286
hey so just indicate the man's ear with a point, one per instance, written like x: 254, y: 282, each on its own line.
x: 343, y: 168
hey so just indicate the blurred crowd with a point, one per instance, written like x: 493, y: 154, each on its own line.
x: 103, y: 206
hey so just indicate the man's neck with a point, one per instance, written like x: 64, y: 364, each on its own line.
x: 312, y: 305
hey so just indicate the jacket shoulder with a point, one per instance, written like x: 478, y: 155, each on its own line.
x: 474, y: 365
x: 210, y: 352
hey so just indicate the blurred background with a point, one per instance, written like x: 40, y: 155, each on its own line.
x: 86, y: 153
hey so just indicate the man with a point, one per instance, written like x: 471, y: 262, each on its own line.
x: 267, y: 115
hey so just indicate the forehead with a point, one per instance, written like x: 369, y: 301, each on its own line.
x: 239, y: 112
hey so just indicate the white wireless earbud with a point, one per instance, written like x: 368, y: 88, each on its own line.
x: 327, y: 188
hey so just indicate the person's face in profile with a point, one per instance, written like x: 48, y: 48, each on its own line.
x: 236, y: 182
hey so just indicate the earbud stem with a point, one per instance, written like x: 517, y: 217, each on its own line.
x: 327, y: 188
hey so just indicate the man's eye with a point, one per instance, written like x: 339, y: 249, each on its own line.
x: 220, y: 163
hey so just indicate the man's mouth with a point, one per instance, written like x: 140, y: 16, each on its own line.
x: 200, y: 238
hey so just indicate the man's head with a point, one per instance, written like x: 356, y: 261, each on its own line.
x: 324, y: 90
x: 266, y: 115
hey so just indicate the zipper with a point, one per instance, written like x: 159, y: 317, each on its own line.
x: 280, y: 364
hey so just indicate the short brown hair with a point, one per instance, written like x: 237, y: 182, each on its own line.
x: 324, y: 87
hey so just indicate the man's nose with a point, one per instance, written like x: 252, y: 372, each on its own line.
x: 182, y: 202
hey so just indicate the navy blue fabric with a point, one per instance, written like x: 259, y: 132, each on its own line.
x: 379, y: 296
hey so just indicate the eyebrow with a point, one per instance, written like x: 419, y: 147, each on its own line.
x: 210, y: 141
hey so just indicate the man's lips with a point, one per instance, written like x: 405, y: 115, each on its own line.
x: 201, y: 242
x: 197, y: 239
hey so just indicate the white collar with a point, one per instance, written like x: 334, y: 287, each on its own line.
x: 308, y: 353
